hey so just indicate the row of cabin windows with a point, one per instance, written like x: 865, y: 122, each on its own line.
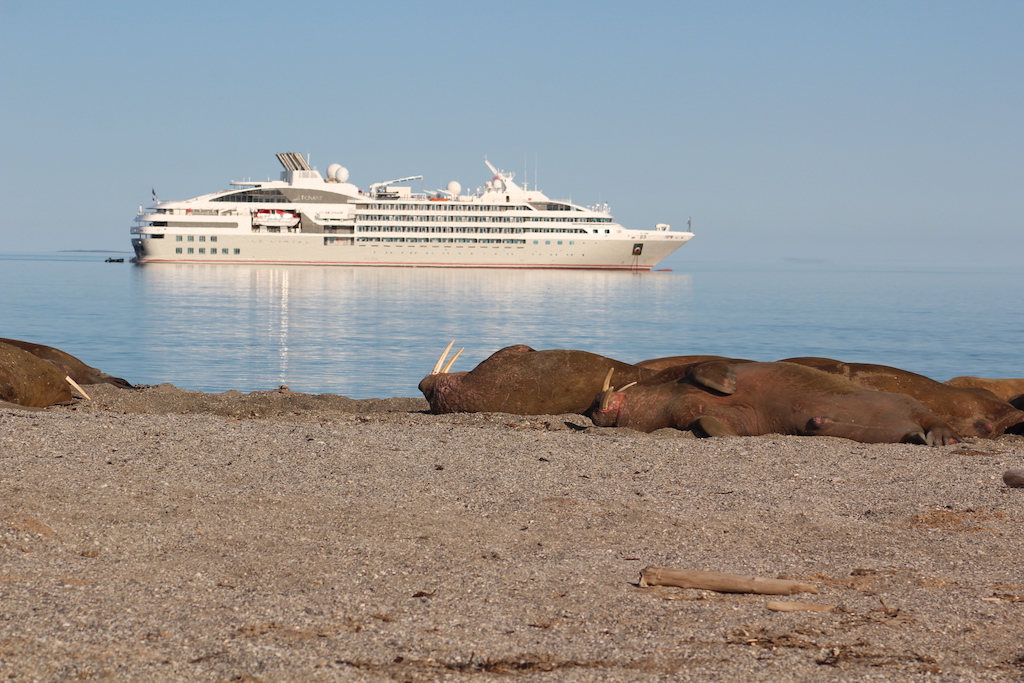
x: 441, y: 219
x: 192, y: 238
x: 439, y: 240
x: 403, y: 228
x: 445, y: 206
x: 277, y: 197
x: 476, y: 219
x: 202, y: 250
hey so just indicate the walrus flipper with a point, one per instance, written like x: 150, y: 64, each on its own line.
x: 712, y: 426
x: 941, y: 435
x: 937, y: 436
x: 104, y: 378
x: 717, y: 375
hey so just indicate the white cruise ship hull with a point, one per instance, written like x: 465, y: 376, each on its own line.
x: 312, y: 250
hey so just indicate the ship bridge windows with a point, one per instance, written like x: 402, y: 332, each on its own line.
x: 553, y: 206
x: 254, y: 195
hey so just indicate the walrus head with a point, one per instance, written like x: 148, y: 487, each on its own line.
x: 432, y: 383
x: 605, y: 411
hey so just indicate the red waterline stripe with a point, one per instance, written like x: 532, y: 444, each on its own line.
x: 403, y: 265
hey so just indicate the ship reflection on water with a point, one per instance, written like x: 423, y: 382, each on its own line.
x: 373, y: 332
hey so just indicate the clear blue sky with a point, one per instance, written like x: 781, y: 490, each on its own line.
x: 844, y: 131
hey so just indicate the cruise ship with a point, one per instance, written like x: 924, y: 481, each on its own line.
x: 306, y: 218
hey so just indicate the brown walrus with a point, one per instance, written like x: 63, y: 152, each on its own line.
x: 30, y: 381
x: 722, y: 398
x: 1010, y: 390
x: 675, y: 361
x: 523, y: 381
x: 971, y: 412
x: 68, y: 364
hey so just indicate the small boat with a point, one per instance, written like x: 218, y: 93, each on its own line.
x: 111, y: 259
x: 279, y: 218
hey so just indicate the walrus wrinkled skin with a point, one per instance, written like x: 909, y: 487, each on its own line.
x: 1010, y: 390
x: 970, y: 411
x: 68, y: 364
x: 30, y: 381
x: 523, y: 381
x: 721, y: 398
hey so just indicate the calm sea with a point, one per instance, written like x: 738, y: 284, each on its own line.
x: 375, y: 332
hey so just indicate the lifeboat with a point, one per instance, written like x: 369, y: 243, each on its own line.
x: 275, y: 218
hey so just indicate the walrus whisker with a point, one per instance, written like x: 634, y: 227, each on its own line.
x: 440, y: 361
x: 452, y: 361
x: 608, y: 379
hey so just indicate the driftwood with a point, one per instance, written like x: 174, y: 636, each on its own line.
x: 722, y: 583
x: 782, y: 606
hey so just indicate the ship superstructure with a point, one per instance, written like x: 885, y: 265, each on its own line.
x: 306, y: 218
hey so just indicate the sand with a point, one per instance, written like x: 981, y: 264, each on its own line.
x: 162, y: 535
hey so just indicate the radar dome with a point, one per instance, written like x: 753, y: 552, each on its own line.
x: 332, y: 169
x: 340, y: 174
x: 454, y: 187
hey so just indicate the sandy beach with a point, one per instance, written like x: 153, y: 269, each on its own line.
x: 169, y: 535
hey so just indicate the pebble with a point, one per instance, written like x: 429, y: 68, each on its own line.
x: 1014, y: 479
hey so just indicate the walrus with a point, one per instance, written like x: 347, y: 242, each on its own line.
x: 524, y: 381
x: 69, y: 365
x: 723, y: 398
x: 30, y: 381
x: 1010, y: 390
x: 970, y: 411
x: 675, y: 361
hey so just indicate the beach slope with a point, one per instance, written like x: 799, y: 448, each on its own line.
x: 163, y: 534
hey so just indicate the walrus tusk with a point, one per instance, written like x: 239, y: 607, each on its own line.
x: 722, y: 583
x: 452, y: 361
x: 440, y: 361
x: 607, y: 391
x: 74, y: 385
